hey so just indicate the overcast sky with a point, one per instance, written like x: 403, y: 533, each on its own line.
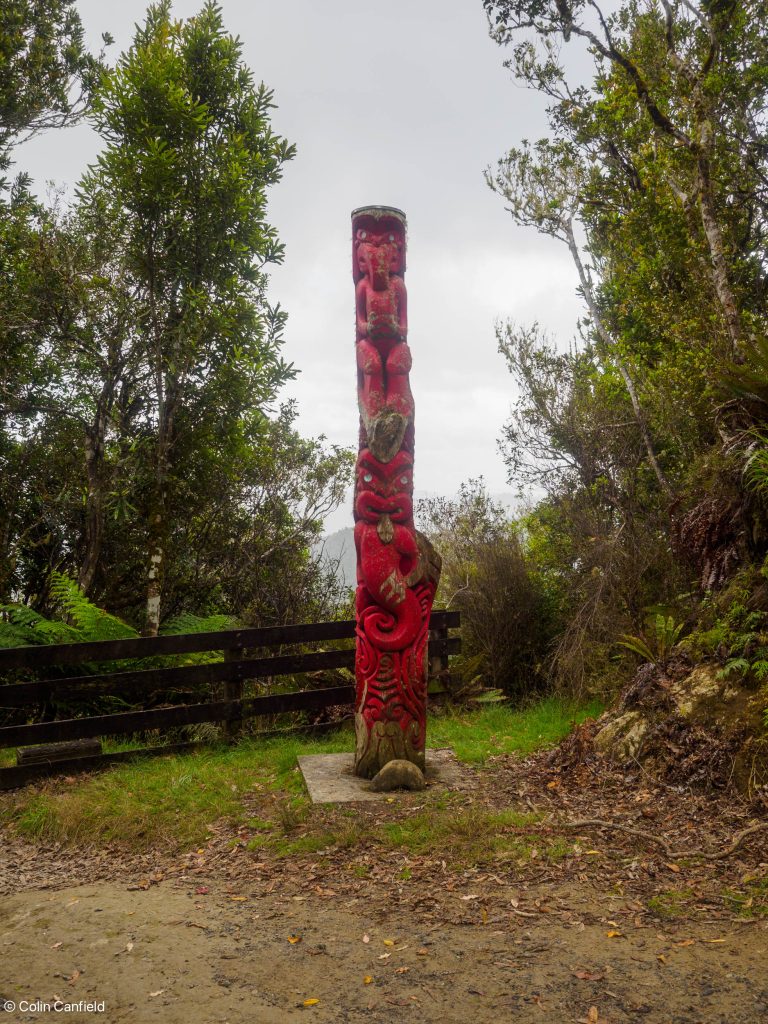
x: 399, y: 104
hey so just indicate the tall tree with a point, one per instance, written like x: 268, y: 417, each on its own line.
x: 189, y: 157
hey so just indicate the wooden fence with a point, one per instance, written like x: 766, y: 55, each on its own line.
x: 230, y: 707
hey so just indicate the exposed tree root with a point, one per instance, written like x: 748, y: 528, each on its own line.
x: 726, y: 851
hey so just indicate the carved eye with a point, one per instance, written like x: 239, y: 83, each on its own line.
x: 363, y: 234
x: 391, y: 238
x: 403, y: 479
x: 368, y: 477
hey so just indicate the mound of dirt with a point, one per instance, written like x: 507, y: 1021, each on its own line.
x: 690, y: 725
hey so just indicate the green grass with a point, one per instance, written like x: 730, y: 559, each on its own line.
x: 751, y: 900
x: 170, y: 801
x: 672, y: 903
x: 501, y: 729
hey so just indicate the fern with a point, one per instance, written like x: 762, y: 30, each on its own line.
x: 20, y: 626
x: 665, y: 635
x: 90, y: 621
x: 188, y: 623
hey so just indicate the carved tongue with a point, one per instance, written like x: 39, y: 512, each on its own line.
x: 385, y: 529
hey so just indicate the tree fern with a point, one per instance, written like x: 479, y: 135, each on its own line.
x: 20, y: 626
x: 90, y: 621
x: 186, y: 622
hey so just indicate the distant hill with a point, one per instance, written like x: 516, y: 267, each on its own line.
x: 341, y: 543
x: 341, y: 546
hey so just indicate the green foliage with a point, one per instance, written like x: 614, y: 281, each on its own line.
x: 647, y: 433
x: 186, y: 622
x: 80, y: 620
x: 91, y: 622
x: 20, y: 626
x: 660, y: 640
x: 46, y: 74
x: 506, y: 614
x: 141, y: 445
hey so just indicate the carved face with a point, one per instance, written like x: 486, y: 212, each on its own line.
x: 378, y: 248
x: 384, y: 488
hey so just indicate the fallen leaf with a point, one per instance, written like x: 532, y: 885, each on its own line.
x: 366, y: 938
x: 673, y: 867
x: 310, y: 1002
x: 422, y: 952
x: 553, y: 784
x: 593, y: 853
x: 614, y: 935
x: 293, y: 939
x: 75, y: 975
x: 201, y: 890
x: 158, y: 993
x: 713, y: 940
x: 465, y: 898
x: 368, y: 979
x: 589, y: 975
x: 385, y: 956
x: 55, y: 945
x: 402, y: 970
x: 389, y: 942
x: 686, y: 942
x: 593, y: 1016
x: 661, y: 958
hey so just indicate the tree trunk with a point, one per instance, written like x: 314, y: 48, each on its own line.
x: 719, y: 265
x: 157, y: 548
x: 94, y: 502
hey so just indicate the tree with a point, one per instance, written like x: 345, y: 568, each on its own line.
x: 46, y: 73
x: 188, y: 160
x: 689, y: 75
x: 654, y: 177
x: 506, y: 615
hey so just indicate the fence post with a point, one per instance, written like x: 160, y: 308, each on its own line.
x: 438, y: 663
x: 233, y: 691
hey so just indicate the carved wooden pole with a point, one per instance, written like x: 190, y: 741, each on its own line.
x: 397, y: 568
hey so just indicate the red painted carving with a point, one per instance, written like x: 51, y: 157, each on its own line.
x: 397, y: 568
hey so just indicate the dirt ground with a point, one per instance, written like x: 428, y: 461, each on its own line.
x: 227, y: 934
x: 166, y: 954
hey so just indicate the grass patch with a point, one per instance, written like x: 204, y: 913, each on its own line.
x: 171, y: 801
x: 472, y: 835
x: 751, y: 900
x: 501, y: 729
x: 672, y: 903
x: 165, y: 801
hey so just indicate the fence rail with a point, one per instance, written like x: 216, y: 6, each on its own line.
x: 131, y: 686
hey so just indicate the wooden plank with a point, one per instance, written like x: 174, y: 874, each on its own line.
x: 156, y: 646
x: 58, y: 751
x: 12, y: 778
x: 130, y: 685
x: 163, y: 718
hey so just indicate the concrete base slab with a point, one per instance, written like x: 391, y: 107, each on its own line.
x: 330, y: 779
